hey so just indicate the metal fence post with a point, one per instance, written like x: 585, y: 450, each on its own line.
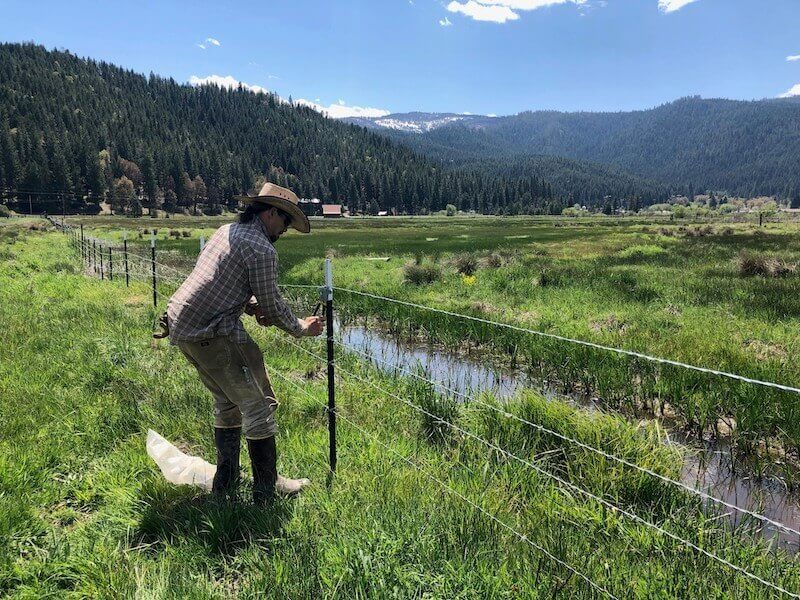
x: 125, y: 251
x: 202, y: 242
x: 331, y: 383
x: 110, y: 264
x: 83, y: 247
x: 101, y: 262
x: 94, y: 257
x: 153, y: 265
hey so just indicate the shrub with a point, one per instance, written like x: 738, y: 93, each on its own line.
x: 643, y: 251
x: 450, y: 210
x: 185, y: 234
x: 5, y: 211
x: 762, y: 265
x: 418, y: 274
x: 465, y: 263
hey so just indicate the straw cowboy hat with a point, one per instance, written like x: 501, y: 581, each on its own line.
x: 283, y: 198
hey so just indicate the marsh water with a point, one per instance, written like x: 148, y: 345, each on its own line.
x: 708, y: 465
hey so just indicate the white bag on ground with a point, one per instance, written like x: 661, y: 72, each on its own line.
x: 178, y: 467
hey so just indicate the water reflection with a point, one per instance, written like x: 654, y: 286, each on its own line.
x: 709, y: 468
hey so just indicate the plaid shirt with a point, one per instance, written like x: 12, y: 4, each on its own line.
x: 238, y: 262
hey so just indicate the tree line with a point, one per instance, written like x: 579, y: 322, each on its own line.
x: 77, y: 132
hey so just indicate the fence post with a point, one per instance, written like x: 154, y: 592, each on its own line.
x: 125, y: 252
x: 331, y: 384
x: 110, y: 264
x: 153, y: 265
x: 101, y: 262
x: 202, y: 242
x: 94, y: 257
x: 83, y: 248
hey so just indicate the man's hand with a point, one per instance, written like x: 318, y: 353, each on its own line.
x: 312, y: 326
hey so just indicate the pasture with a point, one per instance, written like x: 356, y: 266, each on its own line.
x: 682, y: 291
x: 85, y: 513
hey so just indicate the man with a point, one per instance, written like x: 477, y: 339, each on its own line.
x: 240, y: 263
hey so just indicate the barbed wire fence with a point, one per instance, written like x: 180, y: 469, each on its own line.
x: 98, y: 258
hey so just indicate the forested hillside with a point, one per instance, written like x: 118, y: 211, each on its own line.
x: 94, y: 130
x: 690, y: 145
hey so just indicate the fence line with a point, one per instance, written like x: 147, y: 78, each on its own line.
x: 459, y: 495
x: 561, y: 338
x: 570, y: 485
x: 531, y: 465
x: 598, y: 451
x: 580, y: 490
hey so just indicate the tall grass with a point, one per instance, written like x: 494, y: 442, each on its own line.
x: 85, y: 513
x: 680, y: 296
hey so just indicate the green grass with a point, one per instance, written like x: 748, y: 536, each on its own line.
x: 672, y: 290
x: 85, y: 513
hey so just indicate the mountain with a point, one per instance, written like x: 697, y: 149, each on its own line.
x: 85, y: 130
x: 418, y: 122
x: 742, y: 147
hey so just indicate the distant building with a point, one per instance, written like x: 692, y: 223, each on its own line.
x: 383, y: 213
x: 332, y: 211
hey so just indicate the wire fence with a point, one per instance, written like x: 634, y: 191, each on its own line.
x: 150, y: 269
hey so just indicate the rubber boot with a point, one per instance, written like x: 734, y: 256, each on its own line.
x: 228, y: 442
x: 264, y: 458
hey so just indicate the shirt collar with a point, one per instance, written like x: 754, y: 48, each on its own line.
x: 263, y: 227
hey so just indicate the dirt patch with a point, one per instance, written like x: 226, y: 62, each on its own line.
x: 765, y: 350
x: 611, y: 323
x: 135, y: 300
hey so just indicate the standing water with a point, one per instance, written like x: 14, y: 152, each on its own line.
x: 708, y: 468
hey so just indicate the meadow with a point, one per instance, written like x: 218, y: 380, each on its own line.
x: 678, y: 290
x: 85, y: 513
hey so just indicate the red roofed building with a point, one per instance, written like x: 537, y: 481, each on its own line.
x: 331, y: 210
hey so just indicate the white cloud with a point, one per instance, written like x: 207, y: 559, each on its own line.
x: 500, y: 11
x: 201, y: 46
x: 793, y: 91
x: 668, y: 6
x: 213, y: 41
x: 482, y: 12
x: 793, y: 57
x: 340, y: 110
x: 445, y: 22
x: 227, y: 81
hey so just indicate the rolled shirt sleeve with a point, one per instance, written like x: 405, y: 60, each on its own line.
x: 262, y: 272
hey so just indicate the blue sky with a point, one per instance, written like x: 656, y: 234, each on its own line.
x: 479, y: 56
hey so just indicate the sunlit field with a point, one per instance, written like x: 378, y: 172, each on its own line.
x: 720, y: 294
x: 85, y: 513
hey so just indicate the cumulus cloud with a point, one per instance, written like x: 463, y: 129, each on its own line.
x: 668, y: 6
x: 213, y: 42
x: 500, y: 11
x: 201, y: 46
x: 341, y: 110
x: 227, y: 81
x: 445, y: 22
x: 793, y: 91
x: 793, y: 57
